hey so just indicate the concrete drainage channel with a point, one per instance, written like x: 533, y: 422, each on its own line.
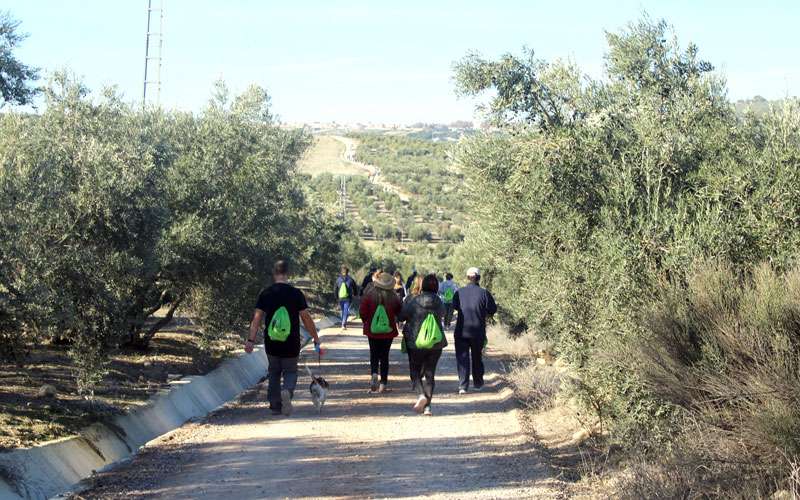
x: 53, y: 468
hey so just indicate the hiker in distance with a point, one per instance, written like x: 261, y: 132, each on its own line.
x: 283, y: 306
x: 474, y: 305
x: 368, y: 279
x: 424, y: 339
x: 411, y: 278
x: 379, y: 308
x: 345, y: 291
x: 399, y: 287
x: 447, y: 290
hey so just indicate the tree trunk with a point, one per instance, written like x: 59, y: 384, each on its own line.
x: 142, y: 339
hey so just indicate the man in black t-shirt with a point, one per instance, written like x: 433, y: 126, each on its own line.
x: 275, y: 304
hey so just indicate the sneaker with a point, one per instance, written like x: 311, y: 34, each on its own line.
x: 427, y: 411
x: 383, y: 388
x: 421, y: 403
x: 373, y: 385
x: 462, y: 392
x: 275, y: 411
x: 286, y: 403
x: 477, y: 387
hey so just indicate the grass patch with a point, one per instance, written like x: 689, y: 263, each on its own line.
x: 325, y: 155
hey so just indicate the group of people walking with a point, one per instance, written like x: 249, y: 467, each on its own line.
x: 420, y: 311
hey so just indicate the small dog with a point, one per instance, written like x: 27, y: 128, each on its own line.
x: 319, y: 390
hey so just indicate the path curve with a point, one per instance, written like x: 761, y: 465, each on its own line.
x: 349, y: 155
x: 361, y: 446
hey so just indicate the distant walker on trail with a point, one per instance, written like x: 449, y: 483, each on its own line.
x: 447, y: 290
x: 380, y: 305
x: 282, y: 306
x: 474, y: 305
x: 345, y: 291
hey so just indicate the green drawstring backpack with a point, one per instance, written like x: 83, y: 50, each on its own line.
x: 448, y: 295
x: 380, y: 321
x: 343, y: 291
x: 429, y: 333
x: 280, y: 326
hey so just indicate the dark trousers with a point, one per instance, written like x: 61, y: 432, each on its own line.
x: 280, y: 367
x: 379, y: 357
x: 422, y: 364
x: 469, y: 357
x: 448, y: 315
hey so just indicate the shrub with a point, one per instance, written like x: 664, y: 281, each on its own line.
x: 595, y: 193
x: 725, y: 351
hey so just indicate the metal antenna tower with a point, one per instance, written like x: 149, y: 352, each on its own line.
x: 343, y: 197
x: 153, y: 54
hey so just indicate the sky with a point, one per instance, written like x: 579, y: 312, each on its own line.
x: 384, y: 61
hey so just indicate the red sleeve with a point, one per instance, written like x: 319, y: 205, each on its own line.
x: 366, y: 308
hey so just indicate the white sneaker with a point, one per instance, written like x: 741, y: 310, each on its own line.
x: 461, y: 392
x: 427, y: 411
x: 419, y: 406
x: 382, y: 388
x: 286, y: 403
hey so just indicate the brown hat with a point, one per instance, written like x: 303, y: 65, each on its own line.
x: 384, y: 281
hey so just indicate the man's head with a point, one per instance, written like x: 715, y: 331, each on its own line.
x: 474, y: 274
x: 448, y: 276
x: 280, y: 269
x: 344, y: 271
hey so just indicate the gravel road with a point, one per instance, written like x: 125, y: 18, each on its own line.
x: 362, y: 446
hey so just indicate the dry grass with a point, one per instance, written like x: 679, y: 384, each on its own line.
x: 536, y: 386
x: 325, y: 155
x: 725, y: 351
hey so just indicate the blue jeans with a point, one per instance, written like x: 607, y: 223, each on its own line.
x: 286, y: 367
x: 345, y: 305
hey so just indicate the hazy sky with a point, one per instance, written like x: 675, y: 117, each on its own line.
x: 385, y: 60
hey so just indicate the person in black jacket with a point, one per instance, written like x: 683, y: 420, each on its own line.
x: 474, y: 305
x: 411, y: 278
x: 422, y: 362
x: 367, y: 279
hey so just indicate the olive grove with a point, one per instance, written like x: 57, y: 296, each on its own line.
x: 109, y: 214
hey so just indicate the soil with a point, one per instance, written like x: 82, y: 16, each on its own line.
x: 133, y: 377
x: 360, y: 446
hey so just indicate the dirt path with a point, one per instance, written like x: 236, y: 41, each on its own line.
x: 349, y: 155
x: 361, y: 446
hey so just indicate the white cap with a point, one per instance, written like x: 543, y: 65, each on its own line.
x: 473, y: 271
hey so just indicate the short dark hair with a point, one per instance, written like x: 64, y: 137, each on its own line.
x: 280, y: 268
x: 448, y: 276
x: 345, y: 270
x: 430, y: 283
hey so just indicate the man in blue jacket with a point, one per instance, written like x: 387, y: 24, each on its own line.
x: 474, y: 305
x: 345, y: 291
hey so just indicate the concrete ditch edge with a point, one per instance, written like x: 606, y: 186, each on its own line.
x: 52, y: 468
